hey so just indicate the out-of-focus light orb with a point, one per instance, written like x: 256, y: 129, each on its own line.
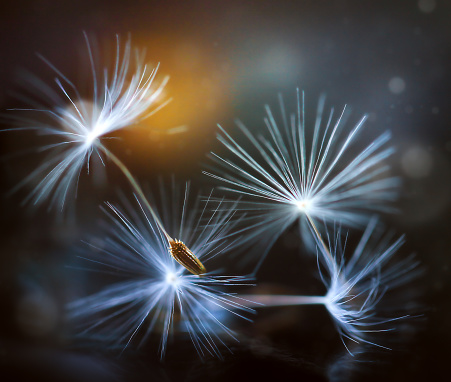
x: 396, y: 85
x: 417, y: 162
x: 427, y: 6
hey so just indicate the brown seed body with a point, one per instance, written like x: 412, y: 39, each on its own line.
x: 180, y: 252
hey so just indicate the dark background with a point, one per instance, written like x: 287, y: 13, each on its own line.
x: 227, y: 59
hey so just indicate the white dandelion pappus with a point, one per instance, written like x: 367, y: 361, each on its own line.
x: 356, y: 285
x: 79, y: 124
x: 289, y: 175
x: 158, y: 293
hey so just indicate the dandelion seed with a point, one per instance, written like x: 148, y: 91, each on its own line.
x: 355, y: 286
x: 182, y: 254
x: 290, y: 175
x: 158, y: 294
x: 79, y: 125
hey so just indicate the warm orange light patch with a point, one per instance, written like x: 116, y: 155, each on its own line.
x: 199, y: 101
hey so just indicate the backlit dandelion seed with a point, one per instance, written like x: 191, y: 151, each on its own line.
x: 183, y: 255
x: 356, y: 285
x: 290, y: 175
x: 120, y: 99
x: 157, y: 293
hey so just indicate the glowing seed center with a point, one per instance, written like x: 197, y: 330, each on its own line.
x: 172, y: 279
x: 97, y: 131
x: 303, y: 205
x: 91, y: 137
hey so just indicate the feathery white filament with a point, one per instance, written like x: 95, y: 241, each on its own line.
x: 355, y: 286
x: 123, y: 98
x: 296, y: 170
x: 155, y: 286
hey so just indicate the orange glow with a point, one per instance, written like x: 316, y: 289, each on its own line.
x: 198, y: 87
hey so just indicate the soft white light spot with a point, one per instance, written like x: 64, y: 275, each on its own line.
x: 97, y: 131
x: 396, y: 85
x: 417, y: 162
x: 427, y: 6
x: 303, y: 205
x: 91, y: 137
x: 172, y: 279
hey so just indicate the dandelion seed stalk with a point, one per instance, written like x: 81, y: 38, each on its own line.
x: 288, y: 173
x: 177, y: 249
x: 153, y: 286
x: 136, y: 187
x: 321, y: 241
x: 270, y: 300
x: 355, y: 284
